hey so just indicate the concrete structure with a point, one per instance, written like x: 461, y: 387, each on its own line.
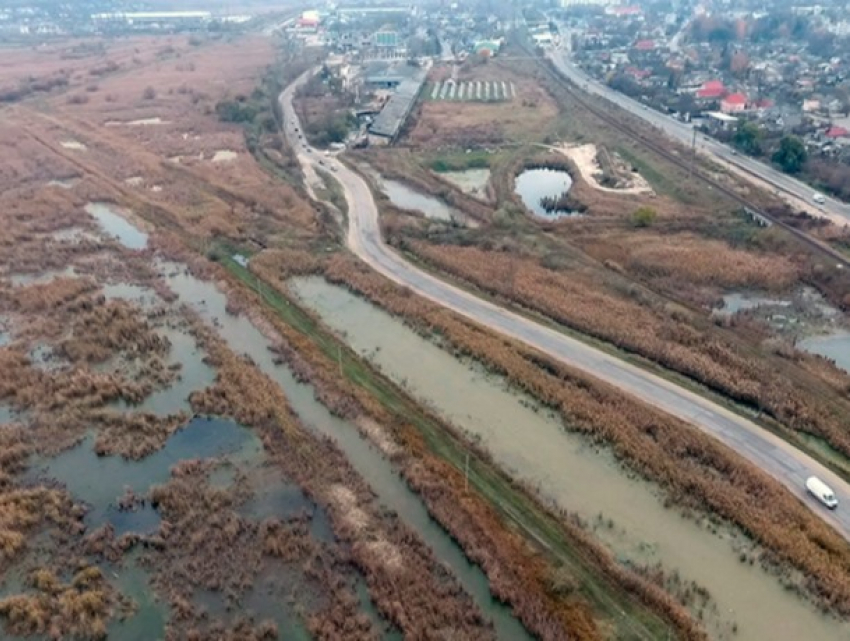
x: 386, y: 127
x: 717, y: 120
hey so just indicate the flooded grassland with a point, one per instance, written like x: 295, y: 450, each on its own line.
x: 163, y: 477
x: 710, y: 566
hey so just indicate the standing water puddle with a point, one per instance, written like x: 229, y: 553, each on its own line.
x: 469, y: 181
x: 391, y: 490
x: 534, y: 444
x: 536, y: 186
x: 116, y: 225
x: 404, y: 197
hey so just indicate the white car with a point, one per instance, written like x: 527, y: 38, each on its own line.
x: 819, y: 198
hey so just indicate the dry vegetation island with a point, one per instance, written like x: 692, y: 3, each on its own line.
x: 188, y: 452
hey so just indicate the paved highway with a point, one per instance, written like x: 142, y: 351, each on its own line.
x: 776, y: 457
x: 684, y: 133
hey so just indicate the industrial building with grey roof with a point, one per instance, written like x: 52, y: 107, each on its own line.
x: 388, y: 123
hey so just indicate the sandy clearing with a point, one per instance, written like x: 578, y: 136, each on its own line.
x: 584, y: 157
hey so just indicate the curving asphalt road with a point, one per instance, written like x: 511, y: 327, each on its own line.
x: 684, y: 132
x: 773, y: 455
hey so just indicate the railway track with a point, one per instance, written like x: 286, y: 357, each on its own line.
x: 581, y: 99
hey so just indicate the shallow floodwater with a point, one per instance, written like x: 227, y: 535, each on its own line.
x: 738, y: 302
x: 470, y: 181
x: 116, y: 225
x: 835, y: 346
x: 403, y: 196
x: 533, y: 444
x: 99, y: 482
x: 392, y: 492
x: 533, y: 185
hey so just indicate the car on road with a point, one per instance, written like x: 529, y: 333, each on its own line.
x: 822, y: 492
x: 819, y: 198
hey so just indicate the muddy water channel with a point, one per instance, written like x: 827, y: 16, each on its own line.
x: 244, y: 337
x: 626, y: 514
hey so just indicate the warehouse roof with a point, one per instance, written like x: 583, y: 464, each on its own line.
x: 388, y: 123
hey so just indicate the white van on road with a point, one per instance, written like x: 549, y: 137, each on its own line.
x: 819, y: 198
x: 822, y: 492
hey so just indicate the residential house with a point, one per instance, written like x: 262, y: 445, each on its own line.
x: 734, y: 103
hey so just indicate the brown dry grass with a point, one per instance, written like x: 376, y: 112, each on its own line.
x: 667, y: 334
x: 78, y: 609
x: 700, y: 262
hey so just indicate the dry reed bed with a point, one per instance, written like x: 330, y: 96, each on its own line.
x: 667, y: 336
x: 696, y: 471
x: 78, y: 609
x: 404, y: 579
x: 518, y: 574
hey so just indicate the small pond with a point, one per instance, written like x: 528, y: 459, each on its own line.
x: 536, y: 186
x: 834, y: 346
x: 404, y: 197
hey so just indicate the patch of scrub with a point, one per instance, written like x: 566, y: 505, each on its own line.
x: 73, y: 144
x: 404, y: 197
x: 469, y: 181
x: 534, y: 445
x: 224, y: 155
x: 540, y: 190
x: 243, y: 337
x: 116, y: 225
x: 835, y: 347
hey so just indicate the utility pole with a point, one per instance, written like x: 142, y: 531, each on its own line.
x: 693, y: 154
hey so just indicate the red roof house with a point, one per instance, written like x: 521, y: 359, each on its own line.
x: 645, y: 45
x: 711, y: 90
x: 837, y: 132
x: 733, y: 103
